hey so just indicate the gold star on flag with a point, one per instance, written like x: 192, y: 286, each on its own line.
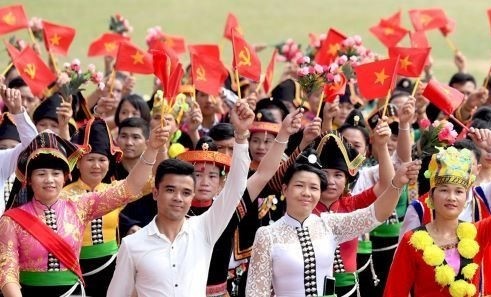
x: 388, y: 31
x: 9, y: 19
x: 445, y: 90
x: 381, y: 77
x: 425, y: 19
x: 55, y: 39
x: 333, y: 49
x: 405, y: 62
x: 137, y: 58
x: 109, y: 46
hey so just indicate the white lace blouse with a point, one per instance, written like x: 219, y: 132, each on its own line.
x: 280, y: 260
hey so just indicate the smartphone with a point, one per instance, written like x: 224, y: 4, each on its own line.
x: 329, y: 286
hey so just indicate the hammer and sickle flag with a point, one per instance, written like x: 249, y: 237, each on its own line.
x: 34, y: 71
x: 208, y: 72
x: 246, y: 61
x: 12, y: 18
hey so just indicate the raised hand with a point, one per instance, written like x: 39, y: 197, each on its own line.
x: 195, y: 117
x: 330, y: 110
x: 158, y: 137
x: 406, y: 173
x: 290, y: 125
x: 406, y: 113
x: 11, y: 98
x: 460, y: 61
x: 64, y: 112
x: 477, y: 98
x: 481, y: 137
x: 241, y: 117
x: 311, y: 131
x: 106, y: 105
x: 382, y: 133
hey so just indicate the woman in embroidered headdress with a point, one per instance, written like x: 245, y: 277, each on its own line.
x: 41, y: 239
x: 93, y: 174
x: 295, y: 255
x: 445, y: 254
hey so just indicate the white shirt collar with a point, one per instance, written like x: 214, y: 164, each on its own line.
x: 289, y: 220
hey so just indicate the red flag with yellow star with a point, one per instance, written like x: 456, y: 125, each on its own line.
x: 375, y: 80
x: 446, y: 98
x: 331, y: 90
x: 207, y: 71
x: 106, y: 45
x: 411, y: 60
x: 12, y: 18
x: 132, y: 59
x: 449, y: 27
x: 268, y: 79
x: 34, y: 71
x: 394, y: 19
x: 388, y: 33
x: 232, y: 27
x: 246, y: 61
x: 329, y: 48
x: 57, y: 38
x: 427, y: 19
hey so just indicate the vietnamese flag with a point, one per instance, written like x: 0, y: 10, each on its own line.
x: 57, y: 38
x: 394, y: 19
x: 388, y: 33
x: 449, y: 28
x: 11, y: 50
x: 330, y: 47
x: 333, y: 89
x: 246, y: 61
x: 12, y: 18
x: 176, y: 43
x: 411, y: 60
x: 106, y: 45
x: 446, y: 98
x: 208, y: 72
x: 419, y: 39
x: 34, y: 71
x: 427, y: 19
x: 268, y: 79
x: 132, y: 59
x: 375, y: 80
x: 232, y: 27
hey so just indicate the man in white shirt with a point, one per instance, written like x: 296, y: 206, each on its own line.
x: 171, y: 255
x: 27, y: 131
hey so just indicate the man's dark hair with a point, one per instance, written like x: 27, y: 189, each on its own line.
x: 138, y: 103
x: 461, y: 78
x: 135, y: 123
x: 470, y: 145
x: 297, y: 167
x: 17, y: 83
x: 221, y: 131
x: 173, y: 166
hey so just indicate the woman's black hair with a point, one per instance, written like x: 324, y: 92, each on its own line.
x: 299, y: 166
x: 208, y: 140
x: 138, y: 103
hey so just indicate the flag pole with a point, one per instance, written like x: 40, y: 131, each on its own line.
x: 31, y: 35
x: 4, y: 72
x: 238, y: 83
x: 386, y: 104
x: 458, y: 122
x: 112, y: 77
x: 451, y: 45
x: 260, y: 84
x: 320, y: 104
x: 486, y: 80
x: 53, y: 60
x: 415, y: 88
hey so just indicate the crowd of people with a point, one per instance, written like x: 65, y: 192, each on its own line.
x: 246, y: 193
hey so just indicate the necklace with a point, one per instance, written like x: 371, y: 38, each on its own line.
x: 434, y: 256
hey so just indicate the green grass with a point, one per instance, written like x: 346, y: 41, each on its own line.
x: 267, y: 22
